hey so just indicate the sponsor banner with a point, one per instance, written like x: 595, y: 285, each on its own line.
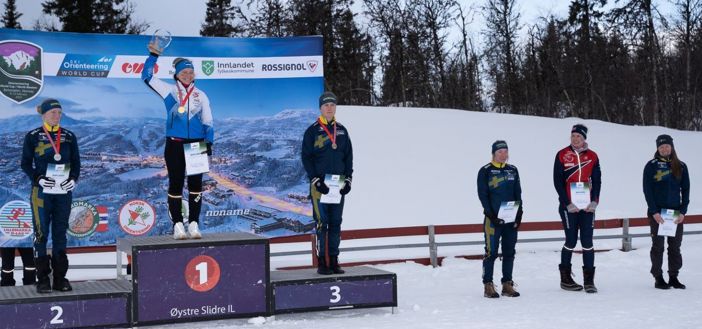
x: 124, y: 66
x: 263, y: 93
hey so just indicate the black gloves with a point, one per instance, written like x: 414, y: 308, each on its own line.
x: 518, y: 219
x: 347, y: 187
x: 318, y: 183
x: 493, y: 218
x: 209, y: 149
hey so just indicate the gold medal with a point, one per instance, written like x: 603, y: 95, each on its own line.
x: 181, y: 109
x: 334, y: 146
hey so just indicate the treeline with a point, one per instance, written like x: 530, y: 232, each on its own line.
x: 621, y: 61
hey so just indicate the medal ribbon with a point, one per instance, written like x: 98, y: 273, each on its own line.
x: 57, y: 145
x: 184, y: 100
x: 332, y: 138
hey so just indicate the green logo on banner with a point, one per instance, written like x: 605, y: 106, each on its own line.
x: 208, y: 67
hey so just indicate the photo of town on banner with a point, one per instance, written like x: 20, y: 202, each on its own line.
x: 263, y: 94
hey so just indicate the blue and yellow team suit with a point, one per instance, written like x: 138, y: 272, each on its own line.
x: 663, y: 190
x: 188, y: 120
x: 50, y: 211
x: 497, y: 183
x: 320, y: 158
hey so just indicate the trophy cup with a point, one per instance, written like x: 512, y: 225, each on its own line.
x: 160, y: 40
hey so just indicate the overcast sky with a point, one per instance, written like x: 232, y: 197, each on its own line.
x: 184, y: 17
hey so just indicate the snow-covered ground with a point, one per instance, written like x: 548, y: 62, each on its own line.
x: 451, y: 296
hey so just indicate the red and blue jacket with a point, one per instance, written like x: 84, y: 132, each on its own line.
x: 574, y: 167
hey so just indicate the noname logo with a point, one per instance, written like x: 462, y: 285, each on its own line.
x: 86, y: 66
x: 83, y: 220
x: 16, y: 219
x: 137, y: 217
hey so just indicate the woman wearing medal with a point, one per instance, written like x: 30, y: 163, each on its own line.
x: 188, y: 120
x: 50, y: 152
x: 326, y: 150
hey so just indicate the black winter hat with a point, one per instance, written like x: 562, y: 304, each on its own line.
x: 327, y: 97
x: 47, y: 105
x: 580, y: 129
x: 664, y: 139
x: 498, y: 145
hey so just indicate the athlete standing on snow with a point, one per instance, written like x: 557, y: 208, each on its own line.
x: 666, y: 185
x: 577, y: 179
x: 498, y: 184
x: 189, y: 120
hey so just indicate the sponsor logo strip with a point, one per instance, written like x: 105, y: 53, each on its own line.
x: 131, y: 67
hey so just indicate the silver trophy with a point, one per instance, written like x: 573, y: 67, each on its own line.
x: 161, y: 40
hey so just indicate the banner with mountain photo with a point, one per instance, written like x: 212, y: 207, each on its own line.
x: 263, y: 94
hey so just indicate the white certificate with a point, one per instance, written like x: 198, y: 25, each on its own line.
x: 508, y: 211
x: 668, y: 227
x: 335, y: 184
x: 59, y: 173
x: 580, y: 194
x: 196, y: 161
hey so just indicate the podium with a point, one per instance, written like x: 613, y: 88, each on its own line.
x: 219, y: 276
x: 305, y: 290
x: 90, y: 304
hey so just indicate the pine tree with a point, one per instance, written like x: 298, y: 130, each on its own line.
x: 218, y: 19
x: 94, y: 16
x: 11, y: 17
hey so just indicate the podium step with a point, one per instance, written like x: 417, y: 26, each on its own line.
x: 305, y: 290
x: 90, y: 304
x: 219, y: 276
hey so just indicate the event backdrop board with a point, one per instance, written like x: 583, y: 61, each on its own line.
x: 219, y: 276
x: 90, y: 304
x: 263, y: 94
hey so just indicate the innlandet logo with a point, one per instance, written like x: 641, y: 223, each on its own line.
x: 136, y: 68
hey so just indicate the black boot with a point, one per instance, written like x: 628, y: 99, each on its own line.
x: 322, y: 267
x: 675, y: 283
x: 660, y: 283
x: 567, y: 282
x: 29, y: 277
x: 43, y: 264
x: 589, y: 280
x: 7, y: 279
x: 334, y: 266
x: 60, y: 264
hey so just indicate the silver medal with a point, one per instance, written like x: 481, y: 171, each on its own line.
x: 57, y: 157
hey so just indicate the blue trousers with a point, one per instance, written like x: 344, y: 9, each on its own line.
x: 50, y: 213
x: 583, y: 222
x: 328, y: 218
x: 493, y: 235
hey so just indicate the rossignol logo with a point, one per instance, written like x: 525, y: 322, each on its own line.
x: 312, y: 65
x: 16, y: 220
x: 136, y: 68
x: 83, y: 220
x: 137, y: 217
x: 86, y: 66
x: 284, y: 67
x: 21, y: 77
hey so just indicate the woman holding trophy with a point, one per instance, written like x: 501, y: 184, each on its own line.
x: 188, y: 128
